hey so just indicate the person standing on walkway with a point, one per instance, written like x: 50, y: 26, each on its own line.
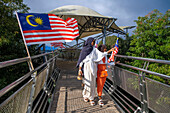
x: 89, y: 56
x: 101, y: 74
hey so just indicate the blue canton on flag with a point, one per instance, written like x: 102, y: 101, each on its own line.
x: 34, y: 21
x: 117, y: 41
x: 96, y: 44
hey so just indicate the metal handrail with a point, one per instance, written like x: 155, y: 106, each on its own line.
x: 145, y: 59
x: 12, y: 62
x: 36, y: 56
x: 141, y: 77
x: 20, y: 60
x: 116, y: 99
x: 8, y: 99
x: 144, y: 70
x: 15, y: 83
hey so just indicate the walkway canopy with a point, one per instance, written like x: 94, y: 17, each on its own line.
x: 89, y: 21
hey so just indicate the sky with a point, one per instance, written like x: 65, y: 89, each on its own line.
x: 126, y: 11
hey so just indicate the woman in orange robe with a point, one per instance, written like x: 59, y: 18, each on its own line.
x: 101, y: 74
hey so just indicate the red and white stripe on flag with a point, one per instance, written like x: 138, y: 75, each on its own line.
x: 61, y: 31
x: 112, y: 55
x: 57, y: 44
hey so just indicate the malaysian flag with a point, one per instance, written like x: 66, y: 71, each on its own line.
x: 47, y: 28
x: 57, y: 44
x: 96, y: 44
x: 115, y: 51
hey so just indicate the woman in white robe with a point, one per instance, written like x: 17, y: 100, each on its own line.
x: 90, y: 71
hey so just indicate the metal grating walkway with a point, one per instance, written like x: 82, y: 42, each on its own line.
x: 68, y: 94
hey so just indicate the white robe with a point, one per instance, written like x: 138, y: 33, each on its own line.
x: 90, y: 72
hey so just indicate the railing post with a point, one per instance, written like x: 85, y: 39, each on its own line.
x: 113, y: 74
x: 48, y: 67
x: 53, y: 64
x: 104, y: 35
x: 143, y: 93
x: 46, y: 88
x: 32, y: 92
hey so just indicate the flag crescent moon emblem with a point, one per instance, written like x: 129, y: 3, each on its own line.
x: 28, y: 21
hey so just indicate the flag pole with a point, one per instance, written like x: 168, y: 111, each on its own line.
x: 29, y: 62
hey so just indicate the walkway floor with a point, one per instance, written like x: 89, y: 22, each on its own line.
x: 68, y: 94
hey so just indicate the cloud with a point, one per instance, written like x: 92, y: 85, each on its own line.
x: 126, y: 11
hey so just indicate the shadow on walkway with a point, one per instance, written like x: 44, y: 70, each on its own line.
x: 68, y: 94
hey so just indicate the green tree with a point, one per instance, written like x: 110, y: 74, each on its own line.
x: 110, y: 41
x: 124, y: 44
x: 152, y: 40
x: 11, y: 42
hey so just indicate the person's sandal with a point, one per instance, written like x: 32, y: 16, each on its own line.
x: 86, y: 99
x: 101, y: 103
x: 92, y: 103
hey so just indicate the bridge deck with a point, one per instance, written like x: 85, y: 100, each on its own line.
x: 68, y: 94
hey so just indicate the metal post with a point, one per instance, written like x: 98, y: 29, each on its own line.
x: 114, y: 19
x: 47, y: 74
x: 104, y: 35
x: 77, y: 41
x: 32, y: 93
x: 126, y: 30
x: 55, y: 62
x: 43, y: 52
x: 143, y: 93
x: 114, y: 71
x: 113, y: 86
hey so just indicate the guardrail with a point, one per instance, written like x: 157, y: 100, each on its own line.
x: 123, y: 87
x: 134, y: 92
x: 33, y: 95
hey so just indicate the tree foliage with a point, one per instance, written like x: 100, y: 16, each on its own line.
x: 11, y: 42
x: 152, y: 40
x: 124, y: 44
x: 110, y: 41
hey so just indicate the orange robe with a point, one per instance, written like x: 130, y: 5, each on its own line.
x: 101, y: 76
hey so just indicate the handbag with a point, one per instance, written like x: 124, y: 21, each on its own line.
x: 79, y: 77
x: 103, y: 73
